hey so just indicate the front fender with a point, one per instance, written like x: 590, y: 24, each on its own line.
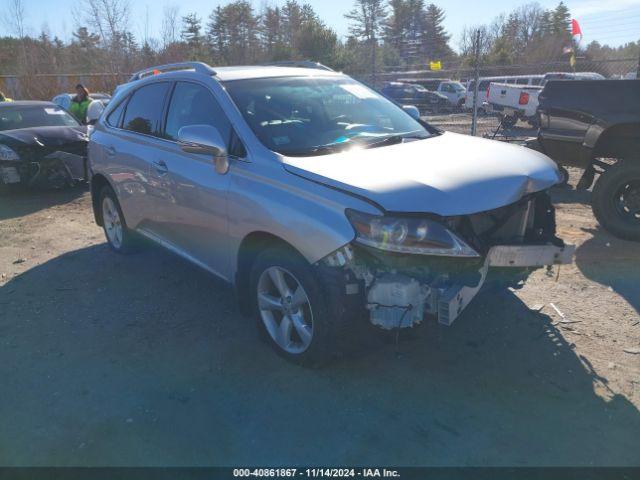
x: 308, y: 216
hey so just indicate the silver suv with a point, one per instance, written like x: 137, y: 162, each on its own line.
x: 321, y: 201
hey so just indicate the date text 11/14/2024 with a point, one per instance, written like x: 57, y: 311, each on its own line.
x: 316, y: 473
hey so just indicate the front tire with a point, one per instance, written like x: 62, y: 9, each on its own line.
x: 296, y: 313
x: 616, y: 200
x: 119, y: 237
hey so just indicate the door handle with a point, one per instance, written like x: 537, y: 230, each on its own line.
x: 111, y: 151
x: 160, y: 166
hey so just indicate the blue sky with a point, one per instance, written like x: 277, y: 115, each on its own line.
x: 609, y: 21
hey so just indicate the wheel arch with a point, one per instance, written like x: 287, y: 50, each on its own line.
x: 619, y: 141
x: 98, y: 182
x: 250, y: 247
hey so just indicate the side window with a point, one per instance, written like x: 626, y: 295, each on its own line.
x: 193, y: 104
x: 115, y: 116
x: 144, y: 110
x: 522, y: 81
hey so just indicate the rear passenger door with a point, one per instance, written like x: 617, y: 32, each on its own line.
x: 198, y: 213
x: 136, y: 126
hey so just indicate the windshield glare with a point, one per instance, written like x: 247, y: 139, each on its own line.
x: 299, y: 115
x: 35, y: 116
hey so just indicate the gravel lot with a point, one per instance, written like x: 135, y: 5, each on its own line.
x: 145, y: 360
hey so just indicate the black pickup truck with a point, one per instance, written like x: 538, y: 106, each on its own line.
x: 595, y: 125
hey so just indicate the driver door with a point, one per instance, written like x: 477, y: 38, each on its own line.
x: 198, y: 223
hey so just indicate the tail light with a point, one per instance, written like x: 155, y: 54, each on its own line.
x: 488, y: 88
x: 524, y: 98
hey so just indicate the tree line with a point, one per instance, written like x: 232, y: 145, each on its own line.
x: 383, y: 35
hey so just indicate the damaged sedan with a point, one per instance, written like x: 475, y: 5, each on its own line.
x: 321, y: 201
x: 41, y: 145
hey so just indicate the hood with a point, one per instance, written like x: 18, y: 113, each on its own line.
x: 49, y: 137
x: 449, y: 174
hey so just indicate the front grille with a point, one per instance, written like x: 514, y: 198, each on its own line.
x: 531, y: 220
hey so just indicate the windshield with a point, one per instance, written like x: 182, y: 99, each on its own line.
x: 315, y: 115
x: 14, y: 118
x: 457, y: 86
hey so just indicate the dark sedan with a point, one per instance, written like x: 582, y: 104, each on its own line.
x: 41, y: 145
x: 411, y: 94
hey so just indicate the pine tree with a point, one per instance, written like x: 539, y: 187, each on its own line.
x: 561, y: 19
x: 192, y: 35
x: 395, y: 29
x: 436, y: 39
x: 368, y: 19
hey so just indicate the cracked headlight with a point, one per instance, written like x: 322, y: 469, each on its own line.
x: 408, y: 235
x: 7, y: 154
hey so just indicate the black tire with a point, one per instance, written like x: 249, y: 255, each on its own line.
x: 129, y: 242
x: 605, y: 200
x: 565, y: 176
x: 330, y: 325
x: 509, y: 121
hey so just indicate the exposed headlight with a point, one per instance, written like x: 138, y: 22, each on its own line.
x: 7, y: 154
x: 408, y: 235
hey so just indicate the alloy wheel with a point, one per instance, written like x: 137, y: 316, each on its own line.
x: 285, y: 310
x: 112, y: 222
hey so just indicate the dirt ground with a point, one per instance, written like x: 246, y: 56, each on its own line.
x: 145, y: 360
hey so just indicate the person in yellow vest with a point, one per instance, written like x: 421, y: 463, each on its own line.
x: 4, y: 98
x: 80, y: 103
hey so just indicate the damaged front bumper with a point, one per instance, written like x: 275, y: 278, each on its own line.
x: 55, y: 170
x: 399, y: 290
x: 400, y: 298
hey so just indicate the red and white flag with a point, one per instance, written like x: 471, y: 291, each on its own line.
x: 576, y: 32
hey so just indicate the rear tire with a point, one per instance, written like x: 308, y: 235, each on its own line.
x: 616, y: 200
x: 119, y: 237
x: 297, y: 313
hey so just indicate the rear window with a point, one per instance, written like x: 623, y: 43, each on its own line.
x: 144, y: 110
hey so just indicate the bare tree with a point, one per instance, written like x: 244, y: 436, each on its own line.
x: 170, y: 25
x: 14, y: 18
x: 110, y: 20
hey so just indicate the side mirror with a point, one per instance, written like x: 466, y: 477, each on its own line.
x: 205, y: 140
x: 94, y: 110
x: 412, y: 110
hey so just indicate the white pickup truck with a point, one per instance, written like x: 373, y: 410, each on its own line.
x: 513, y: 103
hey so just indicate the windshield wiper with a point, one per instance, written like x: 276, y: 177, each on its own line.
x: 393, y: 139
x: 339, y: 146
x: 318, y: 150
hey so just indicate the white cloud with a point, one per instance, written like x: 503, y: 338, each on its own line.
x: 585, y: 8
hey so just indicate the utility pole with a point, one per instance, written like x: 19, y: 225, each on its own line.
x: 474, y: 120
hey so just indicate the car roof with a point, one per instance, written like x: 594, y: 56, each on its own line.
x: 227, y: 74
x: 27, y: 103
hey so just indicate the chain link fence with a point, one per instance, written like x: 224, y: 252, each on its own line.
x: 488, y: 124
x: 457, y: 118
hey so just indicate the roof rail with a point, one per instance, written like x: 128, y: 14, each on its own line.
x: 299, y: 64
x: 170, y: 67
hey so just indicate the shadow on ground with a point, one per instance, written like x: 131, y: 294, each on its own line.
x: 144, y: 360
x: 22, y: 202
x: 612, y: 262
